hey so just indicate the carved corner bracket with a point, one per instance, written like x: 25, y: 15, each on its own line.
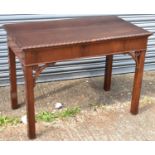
x: 135, y: 57
x: 38, y: 69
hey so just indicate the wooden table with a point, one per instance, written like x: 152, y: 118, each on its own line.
x: 40, y: 44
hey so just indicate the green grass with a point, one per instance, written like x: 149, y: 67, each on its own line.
x: 42, y: 116
x: 52, y: 116
x: 5, y: 120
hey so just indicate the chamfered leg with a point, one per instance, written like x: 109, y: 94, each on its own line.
x: 13, y: 80
x: 29, y: 89
x: 108, y: 72
x: 137, y: 82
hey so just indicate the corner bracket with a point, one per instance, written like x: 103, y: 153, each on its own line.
x: 38, y: 69
x: 135, y: 56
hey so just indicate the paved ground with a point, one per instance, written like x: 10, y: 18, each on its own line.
x: 104, y: 115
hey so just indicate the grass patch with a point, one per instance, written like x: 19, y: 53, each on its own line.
x: 52, y: 116
x: 146, y: 100
x: 5, y: 120
x: 42, y: 116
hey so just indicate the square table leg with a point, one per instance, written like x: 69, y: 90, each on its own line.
x: 108, y: 72
x: 29, y: 89
x: 140, y: 58
x: 13, y: 80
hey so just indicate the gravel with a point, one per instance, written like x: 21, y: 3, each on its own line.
x: 103, y: 116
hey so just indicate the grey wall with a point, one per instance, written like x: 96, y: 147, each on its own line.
x: 80, y: 68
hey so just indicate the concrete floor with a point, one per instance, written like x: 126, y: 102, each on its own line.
x: 103, y: 116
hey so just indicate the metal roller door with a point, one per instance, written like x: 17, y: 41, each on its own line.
x: 88, y: 67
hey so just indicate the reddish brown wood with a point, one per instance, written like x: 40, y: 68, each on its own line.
x: 108, y: 72
x: 62, y: 53
x: 29, y: 88
x: 38, y: 69
x: 13, y: 81
x: 52, y: 41
x: 137, y: 82
x: 75, y: 31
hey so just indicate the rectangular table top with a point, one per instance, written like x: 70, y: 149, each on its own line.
x: 31, y: 35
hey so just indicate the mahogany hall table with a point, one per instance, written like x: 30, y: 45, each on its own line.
x: 40, y: 44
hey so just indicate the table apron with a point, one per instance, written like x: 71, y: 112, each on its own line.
x: 62, y: 53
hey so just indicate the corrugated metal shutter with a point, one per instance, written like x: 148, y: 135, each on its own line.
x: 80, y: 68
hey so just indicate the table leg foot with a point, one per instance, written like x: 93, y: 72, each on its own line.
x: 108, y: 72
x: 29, y: 89
x: 137, y: 82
